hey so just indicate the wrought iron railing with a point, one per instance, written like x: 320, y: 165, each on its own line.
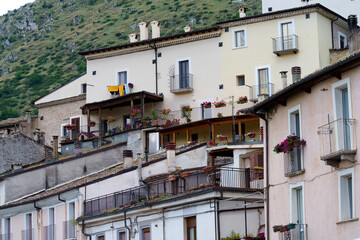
x: 297, y: 233
x: 337, y: 137
x: 49, y: 232
x: 27, y: 234
x: 180, y: 184
x: 293, y: 161
x: 285, y: 44
x: 181, y: 83
x: 6, y: 236
x: 260, y: 90
x: 69, y: 228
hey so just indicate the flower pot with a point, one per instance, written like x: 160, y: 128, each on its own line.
x: 252, y: 135
x: 283, y: 229
x: 222, y: 138
x: 242, y: 101
x: 213, y: 144
x: 133, y: 113
x: 172, y: 178
x: 207, y: 106
x: 185, y: 174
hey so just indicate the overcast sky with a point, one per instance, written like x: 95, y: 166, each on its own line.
x: 6, y: 5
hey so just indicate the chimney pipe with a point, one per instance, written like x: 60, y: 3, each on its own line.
x: 187, y: 29
x: 155, y: 29
x: 284, y: 79
x: 144, y: 31
x: 170, y: 154
x: 139, y: 165
x: 296, y: 73
x: 242, y: 11
x: 133, y: 37
x: 55, y: 147
x: 353, y: 31
x: 128, y: 158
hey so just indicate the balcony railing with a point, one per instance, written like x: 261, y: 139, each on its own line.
x: 293, y: 161
x: 258, y: 91
x: 69, y: 228
x: 181, y: 83
x: 27, y: 234
x: 49, y: 232
x: 197, y: 180
x: 6, y: 236
x: 298, y: 233
x: 285, y: 45
x: 338, y: 140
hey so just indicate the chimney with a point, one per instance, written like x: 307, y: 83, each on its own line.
x: 128, y: 158
x: 48, y: 154
x: 144, y: 31
x: 16, y: 167
x: 353, y: 31
x: 242, y: 11
x: 284, y: 79
x: 55, y: 147
x: 78, y: 148
x: 170, y: 154
x: 133, y: 37
x: 155, y: 29
x: 187, y: 29
x: 139, y: 169
x: 296, y: 73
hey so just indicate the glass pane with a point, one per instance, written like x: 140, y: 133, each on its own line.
x: 349, y: 183
x: 263, y: 81
x: 237, y: 39
x: 242, y: 37
x: 122, y: 78
x: 192, y: 234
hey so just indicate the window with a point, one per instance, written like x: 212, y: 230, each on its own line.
x: 50, y: 229
x: 297, y: 209
x: 145, y: 233
x: 100, y: 237
x: 191, y: 228
x: 195, y: 137
x: 83, y: 88
x: 346, y: 194
x: 240, y: 80
x: 239, y: 38
x: 75, y: 120
x: 70, y: 227
x: 7, y: 229
x: 122, y: 77
x: 263, y: 81
x: 295, y: 157
x: 64, y: 131
x: 342, y: 40
x: 184, y: 74
x: 28, y: 233
x: 94, y: 73
x: 121, y: 235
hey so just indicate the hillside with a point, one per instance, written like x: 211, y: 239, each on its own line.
x: 39, y: 43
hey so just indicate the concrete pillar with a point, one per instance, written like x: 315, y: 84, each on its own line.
x: 170, y: 154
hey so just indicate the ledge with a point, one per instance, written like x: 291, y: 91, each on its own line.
x: 293, y: 174
x: 348, y: 220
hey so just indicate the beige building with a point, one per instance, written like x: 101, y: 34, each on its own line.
x: 314, y: 184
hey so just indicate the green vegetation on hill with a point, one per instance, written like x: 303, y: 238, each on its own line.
x: 39, y: 43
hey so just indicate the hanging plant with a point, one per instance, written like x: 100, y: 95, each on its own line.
x: 165, y: 111
x: 91, y: 123
x: 242, y: 100
x: 135, y: 112
x: 70, y: 126
x: 206, y: 104
x: 288, y: 145
x: 222, y: 103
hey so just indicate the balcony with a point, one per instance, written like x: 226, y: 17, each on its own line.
x: 181, y: 83
x: 70, y: 229
x: 338, y: 141
x: 260, y: 92
x: 297, y: 233
x: 293, y: 162
x: 285, y: 45
x: 27, y: 234
x: 6, y: 236
x: 183, y: 183
x: 49, y: 232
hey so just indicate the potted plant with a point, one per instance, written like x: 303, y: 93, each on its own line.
x: 91, y: 123
x: 213, y: 143
x: 145, y: 120
x: 222, y: 137
x: 154, y: 116
x: 165, y: 111
x: 242, y: 100
x: 191, y: 142
x: 134, y: 112
x: 70, y: 126
x: 176, y: 122
x: 251, y: 134
x: 188, y: 119
x: 118, y: 129
x: 110, y: 119
x: 187, y: 109
x: 220, y: 115
x: 258, y: 170
x: 288, y: 144
x: 222, y: 103
x: 185, y: 174
x: 206, y: 104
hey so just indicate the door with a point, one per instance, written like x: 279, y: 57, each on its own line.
x: 295, y: 155
x: 76, y: 131
x: 300, y: 213
x: 286, y: 36
x: 263, y: 75
x: 184, y: 74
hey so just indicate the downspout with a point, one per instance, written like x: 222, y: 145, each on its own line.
x: 129, y: 230
x: 218, y: 219
x: 83, y: 230
x: 163, y: 217
x: 156, y: 66
x: 332, y: 31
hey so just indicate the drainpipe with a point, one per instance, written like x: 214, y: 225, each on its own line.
x: 332, y: 31
x: 218, y: 219
x: 163, y: 217
x: 83, y: 231
x: 129, y: 235
x: 156, y: 66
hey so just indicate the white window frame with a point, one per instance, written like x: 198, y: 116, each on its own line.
x: 292, y: 188
x: 48, y: 215
x: 177, y: 70
x: 342, y: 174
x: 234, y: 37
x: 120, y: 231
x: 32, y: 224
x: 117, y: 76
x: 345, y: 38
x: 292, y: 21
x: 257, y: 83
x: 4, y: 226
x: 141, y: 231
x: 81, y: 87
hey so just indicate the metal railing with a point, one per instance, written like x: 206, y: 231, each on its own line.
x: 209, y: 177
x: 69, y: 228
x: 181, y: 83
x: 260, y: 90
x: 27, y: 234
x: 285, y: 44
x: 338, y: 136
x: 6, y: 236
x: 298, y: 233
x: 49, y: 232
x: 293, y: 161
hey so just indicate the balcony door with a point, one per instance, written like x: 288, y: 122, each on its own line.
x: 263, y: 81
x: 286, y: 36
x: 295, y: 155
x: 297, y: 211
x: 76, y: 131
x: 184, y: 74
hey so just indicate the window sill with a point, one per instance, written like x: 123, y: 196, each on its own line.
x: 293, y: 174
x: 348, y: 220
x: 234, y: 48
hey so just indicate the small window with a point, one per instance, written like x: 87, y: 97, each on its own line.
x: 346, y: 194
x: 342, y: 40
x: 100, y: 237
x: 195, y: 137
x: 64, y: 131
x: 145, y: 233
x: 83, y: 88
x: 239, y: 38
x: 240, y: 80
x: 94, y: 73
x: 121, y: 235
x: 122, y: 77
x: 191, y: 228
x: 270, y: 9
